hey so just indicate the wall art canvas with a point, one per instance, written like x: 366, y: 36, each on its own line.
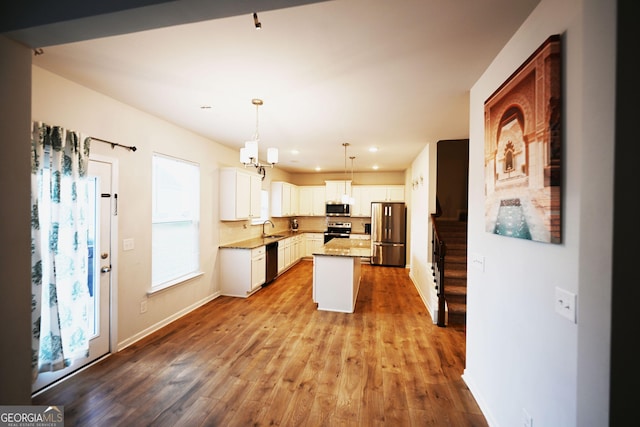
x: 523, y: 150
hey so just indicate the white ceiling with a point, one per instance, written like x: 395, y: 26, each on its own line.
x: 395, y: 75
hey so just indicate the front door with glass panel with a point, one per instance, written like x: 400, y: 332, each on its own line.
x: 99, y: 277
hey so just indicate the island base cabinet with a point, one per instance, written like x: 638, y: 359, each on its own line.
x: 336, y: 282
x: 242, y: 271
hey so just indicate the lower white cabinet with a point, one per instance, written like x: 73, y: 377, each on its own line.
x: 298, y: 248
x: 281, y: 266
x: 313, y: 242
x: 258, y: 267
x: 243, y: 271
x: 289, y: 252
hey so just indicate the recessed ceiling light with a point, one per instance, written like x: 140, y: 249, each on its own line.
x: 318, y: 168
x: 373, y: 149
x: 374, y: 167
x: 295, y: 152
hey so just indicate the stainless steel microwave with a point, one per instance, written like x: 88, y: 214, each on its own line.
x: 338, y: 209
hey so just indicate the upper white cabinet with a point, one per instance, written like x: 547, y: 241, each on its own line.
x: 239, y: 194
x: 365, y: 194
x: 311, y: 200
x: 335, y: 189
x: 284, y: 199
x: 395, y: 193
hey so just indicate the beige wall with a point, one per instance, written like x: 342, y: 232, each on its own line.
x: 422, y: 200
x: 62, y: 102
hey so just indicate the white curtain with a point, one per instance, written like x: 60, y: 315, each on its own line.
x: 59, y: 260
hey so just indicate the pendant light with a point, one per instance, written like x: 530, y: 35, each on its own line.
x: 249, y: 154
x: 345, y: 197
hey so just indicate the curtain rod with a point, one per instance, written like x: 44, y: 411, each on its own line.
x: 114, y: 144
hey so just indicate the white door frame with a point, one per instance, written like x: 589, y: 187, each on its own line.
x: 113, y: 303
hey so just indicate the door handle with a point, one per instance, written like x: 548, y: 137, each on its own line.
x: 105, y: 269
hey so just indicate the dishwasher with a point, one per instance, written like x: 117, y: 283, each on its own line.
x: 272, y: 262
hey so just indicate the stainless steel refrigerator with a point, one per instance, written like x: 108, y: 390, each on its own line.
x: 388, y: 233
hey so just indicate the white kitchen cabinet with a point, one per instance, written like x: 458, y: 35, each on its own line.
x: 313, y: 242
x: 295, y: 200
x: 335, y: 189
x: 239, y: 194
x: 243, y: 271
x: 281, y: 266
x: 287, y: 251
x: 365, y: 194
x: 311, y: 200
x: 395, y: 193
x: 298, y: 248
x: 284, y: 199
x: 258, y: 267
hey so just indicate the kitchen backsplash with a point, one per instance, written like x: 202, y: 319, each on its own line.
x: 235, y: 231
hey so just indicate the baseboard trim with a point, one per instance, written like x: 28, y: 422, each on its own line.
x: 432, y: 313
x: 159, y: 325
x: 471, y: 385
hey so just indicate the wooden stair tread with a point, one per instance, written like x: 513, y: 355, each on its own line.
x: 456, y: 290
x: 455, y: 273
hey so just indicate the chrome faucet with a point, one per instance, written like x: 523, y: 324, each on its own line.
x: 264, y: 234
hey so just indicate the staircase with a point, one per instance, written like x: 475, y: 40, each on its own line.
x: 454, y: 235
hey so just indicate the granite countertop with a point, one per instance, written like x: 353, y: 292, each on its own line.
x: 346, y: 248
x: 256, y: 242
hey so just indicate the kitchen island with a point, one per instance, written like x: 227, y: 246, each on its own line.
x: 336, y: 273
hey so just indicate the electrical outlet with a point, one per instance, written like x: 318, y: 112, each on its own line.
x: 565, y: 304
x: 143, y: 306
x: 527, y: 420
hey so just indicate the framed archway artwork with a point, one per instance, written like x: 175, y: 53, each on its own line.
x: 523, y: 150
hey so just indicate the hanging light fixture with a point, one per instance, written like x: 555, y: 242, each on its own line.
x: 345, y: 196
x: 249, y: 154
x: 256, y: 23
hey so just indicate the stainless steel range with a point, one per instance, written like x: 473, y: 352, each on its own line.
x: 337, y: 229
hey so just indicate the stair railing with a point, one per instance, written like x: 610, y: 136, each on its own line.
x: 437, y: 263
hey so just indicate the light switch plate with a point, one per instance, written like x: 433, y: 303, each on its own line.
x: 565, y: 303
x: 127, y: 244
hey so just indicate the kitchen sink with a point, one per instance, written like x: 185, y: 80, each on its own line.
x: 274, y: 236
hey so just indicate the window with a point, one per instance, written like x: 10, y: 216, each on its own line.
x: 175, y: 221
x: 264, y: 208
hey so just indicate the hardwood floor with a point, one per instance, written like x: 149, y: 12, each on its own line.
x: 274, y: 359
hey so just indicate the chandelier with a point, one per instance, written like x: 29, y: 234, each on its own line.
x: 249, y: 154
